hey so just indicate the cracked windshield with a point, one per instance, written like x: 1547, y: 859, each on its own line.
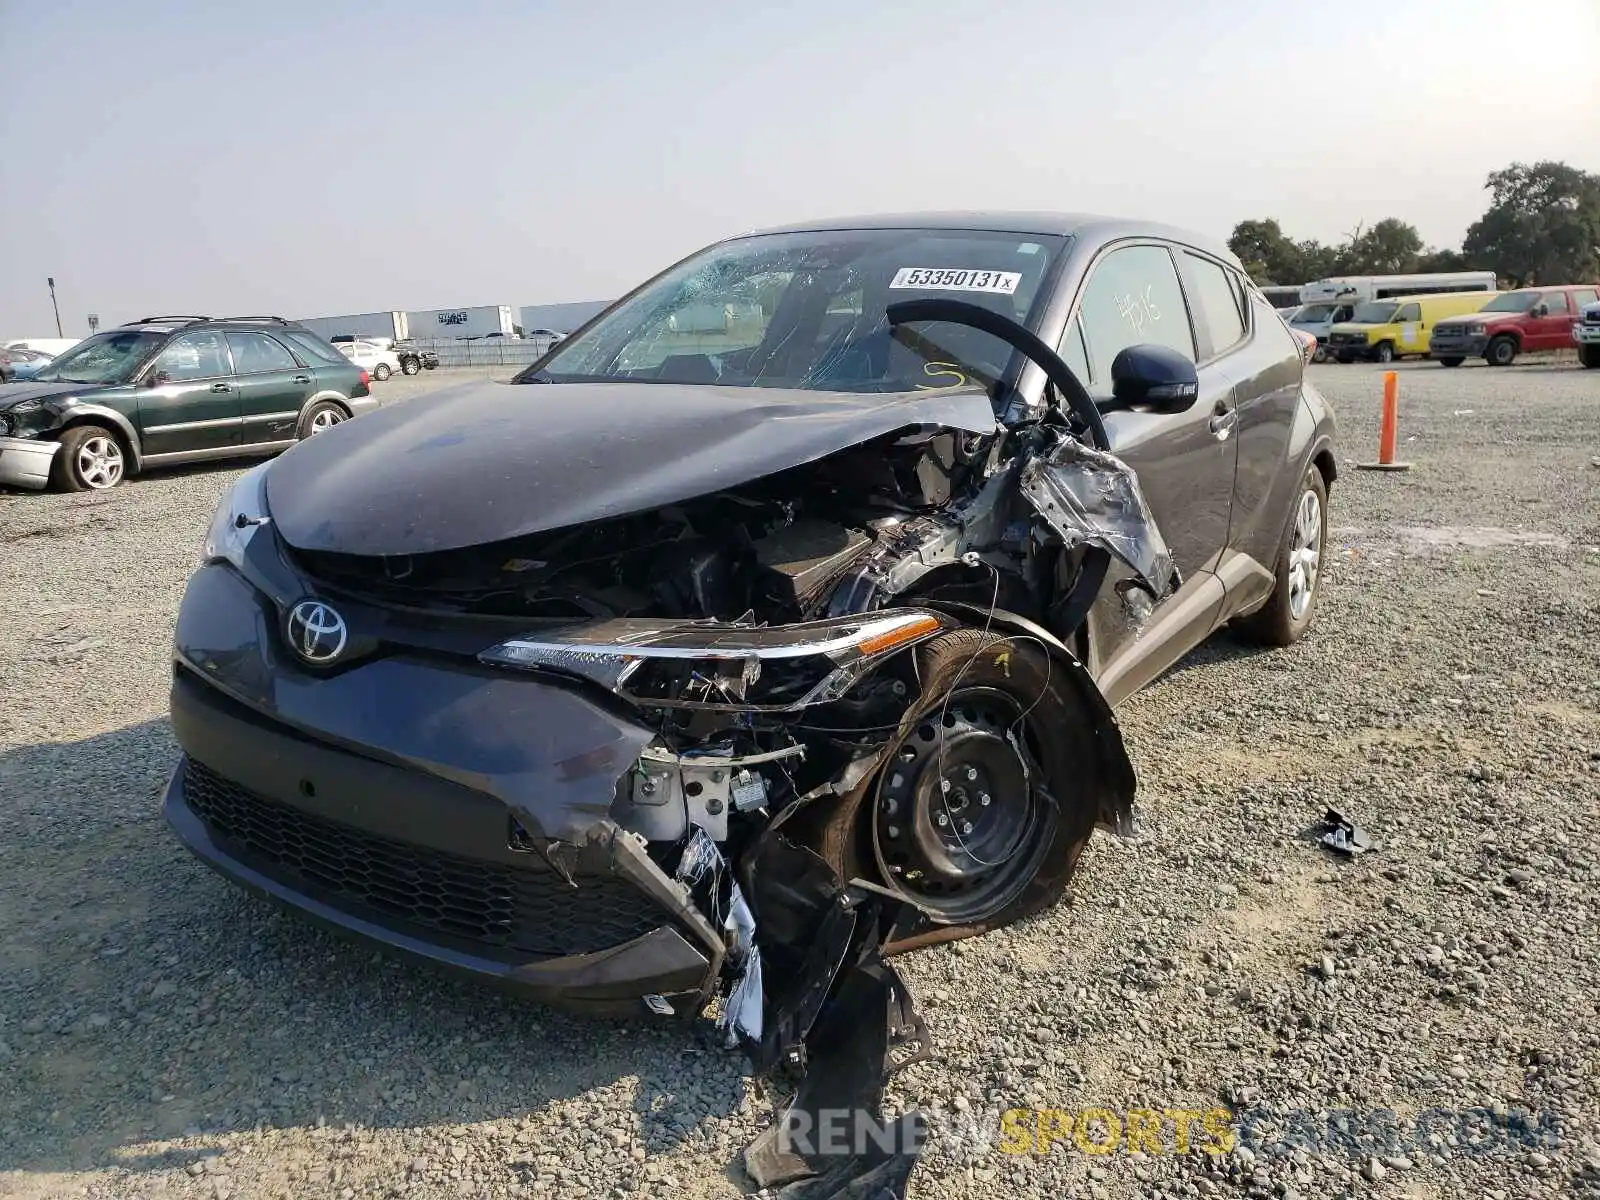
x: 807, y: 311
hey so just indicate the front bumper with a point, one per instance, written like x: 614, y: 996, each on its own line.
x: 1584, y: 334
x: 25, y: 462
x: 408, y: 801
x: 1361, y: 350
x: 1458, y: 345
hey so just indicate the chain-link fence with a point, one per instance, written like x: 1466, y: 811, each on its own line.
x: 486, y: 352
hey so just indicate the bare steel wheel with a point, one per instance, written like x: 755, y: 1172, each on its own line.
x: 90, y: 459
x: 959, y: 821
x: 1021, y: 720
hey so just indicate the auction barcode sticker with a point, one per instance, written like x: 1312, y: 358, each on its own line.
x: 956, y: 279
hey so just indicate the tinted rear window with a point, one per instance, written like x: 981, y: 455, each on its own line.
x: 318, y: 349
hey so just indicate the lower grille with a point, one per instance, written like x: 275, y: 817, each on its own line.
x: 495, y: 910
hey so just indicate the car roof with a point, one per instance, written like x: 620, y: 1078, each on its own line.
x: 1091, y: 227
x: 174, y: 323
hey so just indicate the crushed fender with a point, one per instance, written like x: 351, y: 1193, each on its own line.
x: 1092, y: 498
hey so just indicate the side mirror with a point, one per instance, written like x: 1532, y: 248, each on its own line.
x: 1541, y: 310
x: 1154, y: 377
x: 157, y: 378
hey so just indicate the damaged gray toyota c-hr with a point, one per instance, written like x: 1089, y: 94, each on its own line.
x: 770, y: 625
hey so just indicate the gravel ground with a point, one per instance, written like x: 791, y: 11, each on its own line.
x: 161, y: 1034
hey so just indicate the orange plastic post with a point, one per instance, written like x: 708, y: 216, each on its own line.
x: 1390, y: 432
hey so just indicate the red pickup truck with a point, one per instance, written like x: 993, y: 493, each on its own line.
x: 1532, y: 318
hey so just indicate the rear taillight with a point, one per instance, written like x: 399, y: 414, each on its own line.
x: 365, y: 378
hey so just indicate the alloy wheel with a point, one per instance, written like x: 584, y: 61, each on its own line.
x: 99, y: 462
x: 325, y: 418
x: 1305, y: 554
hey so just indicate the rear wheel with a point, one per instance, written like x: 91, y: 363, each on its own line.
x: 325, y: 414
x: 1589, y: 356
x: 1384, y: 352
x: 90, y: 460
x: 1452, y: 361
x: 410, y: 366
x: 1288, y: 612
x: 381, y: 372
x: 1502, y: 351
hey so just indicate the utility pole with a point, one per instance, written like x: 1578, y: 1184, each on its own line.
x: 52, y: 282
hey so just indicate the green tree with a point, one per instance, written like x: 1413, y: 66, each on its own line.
x: 1443, y: 260
x: 1542, y: 224
x: 1318, y: 261
x: 1266, y: 253
x: 1391, y: 247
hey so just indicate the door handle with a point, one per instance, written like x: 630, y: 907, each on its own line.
x: 301, y: 379
x: 1223, y: 419
x: 219, y: 387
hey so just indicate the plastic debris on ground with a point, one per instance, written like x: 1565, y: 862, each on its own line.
x: 1344, y: 836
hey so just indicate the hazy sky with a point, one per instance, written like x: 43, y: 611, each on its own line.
x: 316, y: 158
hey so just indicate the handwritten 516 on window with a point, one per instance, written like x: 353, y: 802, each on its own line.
x: 1137, y: 308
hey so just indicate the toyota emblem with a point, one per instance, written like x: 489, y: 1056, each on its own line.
x: 316, y: 632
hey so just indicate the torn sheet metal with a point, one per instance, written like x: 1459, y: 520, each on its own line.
x: 703, y: 870
x: 1092, y: 498
x: 841, y: 1019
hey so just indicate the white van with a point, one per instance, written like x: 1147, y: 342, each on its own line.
x: 1319, y: 318
x: 1358, y: 288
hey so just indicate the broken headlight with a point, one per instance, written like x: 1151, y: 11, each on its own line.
x: 235, y: 521
x: 722, y: 665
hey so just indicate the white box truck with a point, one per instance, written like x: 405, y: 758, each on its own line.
x: 446, y: 324
x: 388, y: 327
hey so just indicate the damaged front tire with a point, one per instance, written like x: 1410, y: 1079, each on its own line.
x: 986, y: 797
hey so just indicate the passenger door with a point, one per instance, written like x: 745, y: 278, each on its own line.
x: 192, y: 403
x: 1267, y: 367
x: 1551, y: 330
x: 1184, y: 462
x: 273, y: 387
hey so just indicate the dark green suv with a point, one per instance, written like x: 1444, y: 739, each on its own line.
x: 166, y: 390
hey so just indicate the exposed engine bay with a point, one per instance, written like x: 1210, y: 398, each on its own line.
x: 770, y: 550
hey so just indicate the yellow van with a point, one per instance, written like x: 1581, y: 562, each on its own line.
x: 1384, y: 330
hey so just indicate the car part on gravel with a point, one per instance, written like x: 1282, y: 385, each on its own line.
x: 1344, y: 836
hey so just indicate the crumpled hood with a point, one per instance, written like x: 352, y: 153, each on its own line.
x: 15, y: 393
x: 487, y: 461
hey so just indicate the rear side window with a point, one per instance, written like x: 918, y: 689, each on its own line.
x: 1133, y: 298
x: 1216, y: 301
x: 254, y: 353
x: 1584, y: 296
x: 194, y: 356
